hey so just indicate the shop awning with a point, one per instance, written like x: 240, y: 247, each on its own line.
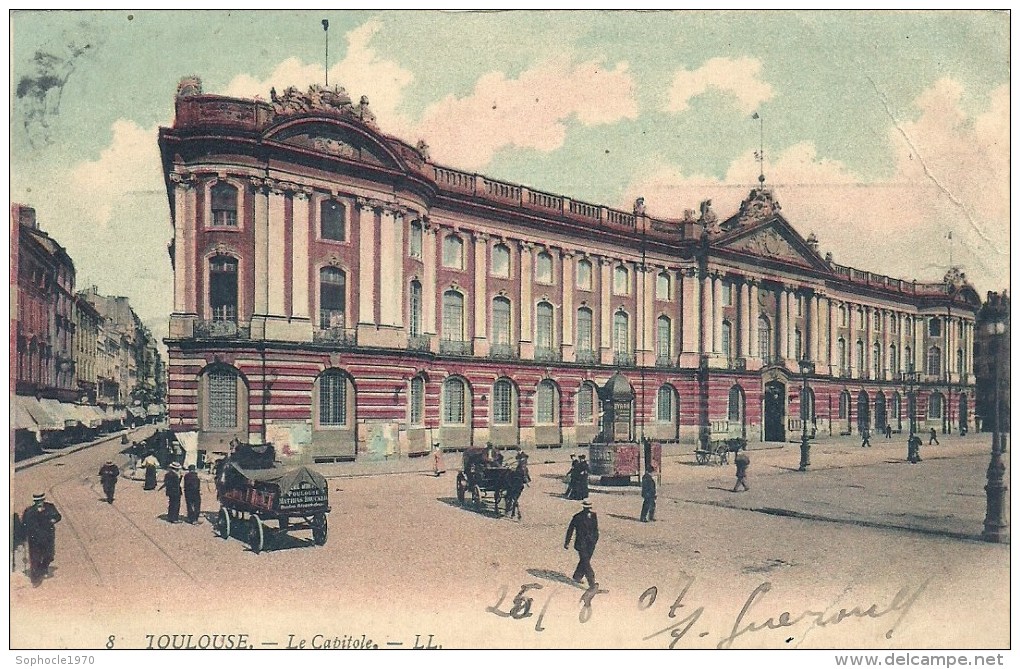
x: 66, y: 413
x: 155, y: 410
x: 137, y: 412
x: 21, y: 416
x: 40, y: 415
x: 114, y: 415
x: 86, y: 416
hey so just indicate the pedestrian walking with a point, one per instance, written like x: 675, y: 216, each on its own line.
x: 108, y: 474
x: 914, y: 449
x: 172, y: 484
x: 865, y: 437
x: 151, y: 464
x: 648, y: 495
x: 438, y: 467
x: 192, y: 494
x: 888, y: 431
x: 933, y: 436
x: 584, y: 527
x: 742, y: 460
x: 571, y: 477
x: 581, y: 486
x: 37, y: 524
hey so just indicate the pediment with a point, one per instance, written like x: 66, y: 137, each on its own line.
x: 336, y: 138
x: 773, y: 240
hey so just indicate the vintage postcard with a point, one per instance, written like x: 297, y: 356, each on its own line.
x: 511, y: 330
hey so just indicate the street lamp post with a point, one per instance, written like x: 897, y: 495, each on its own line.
x: 996, y: 527
x: 806, y: 367
x: 910, y: 379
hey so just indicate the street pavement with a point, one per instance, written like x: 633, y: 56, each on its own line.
x: 892, y: 544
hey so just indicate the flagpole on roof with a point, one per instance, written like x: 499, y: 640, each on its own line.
x: 325, y: 29
x: 761, y: 147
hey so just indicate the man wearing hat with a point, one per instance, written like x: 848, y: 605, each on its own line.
x: 581, y: 487
x: 108, y: 474
x: 192, y: 494
x: 38, y: 523
x: 172, y: 483
x: 648, y: 495
x: 586, y: 524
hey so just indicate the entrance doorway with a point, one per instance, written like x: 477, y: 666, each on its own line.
x: 775, y: 411
x: 880, y: 413
x: 863, y: 412
x: 964, y: 416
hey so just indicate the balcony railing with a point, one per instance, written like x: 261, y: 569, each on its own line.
x: 665, y: 361
x: 503, y: 352
x: 419, y: 343
x: 623, y: 359
x: 221, y: 330
x: 340, y: 337
x: 586, y: 357
x: 455, y: 347
x: 547, y: 354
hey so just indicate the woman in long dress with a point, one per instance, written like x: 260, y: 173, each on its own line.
x: 151, y: 464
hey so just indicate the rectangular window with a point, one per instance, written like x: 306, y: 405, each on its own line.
x: 585, y: 408
x: 332, y: 400
x: 502, y: 403
x: 332, y: 223
x: 453, y: 252
x: 727, y: 294
x: 584, y: 330
x: 544, y: 329
x: 415, y: 241
x: 453, y: 405
x: 417, y: 400
x: 222, y: 400
x: 584, y: 274
x: 621, y: 281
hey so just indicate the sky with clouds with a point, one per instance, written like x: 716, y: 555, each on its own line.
x: 883, y: 132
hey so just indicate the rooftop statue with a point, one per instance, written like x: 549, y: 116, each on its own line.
x: 759, y: 205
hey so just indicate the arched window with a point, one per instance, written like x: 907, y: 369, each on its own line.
x: 664, y: 339
x: 223, y: 201
x: 934, y: 361
x: 841, y: 354
x: 221, y: 405
x: 503, y: 404
x: 415, y: 305
x: 735, y: 405
x: 584, y: 338
x: 453, y: 252
x: 844, y: 404
x: 662, y: 286
x: 894, y: 361
x: 935, y: 405
x: 621, y: 281
x: 544, y: 326
x: 859, y: 356
x: 454, y: 400
x: 544, y: 268
x: 414, y: 243
x: 798, y: 345
x: 584, y: 274
x: 332, y: 298
x: 860, y: 318
x: 959, y: 362
x: 223, y: 288
x: 621, y: 332
x: 332, y: 220
x: 908, y: 359
x: 453, y: 316
x: 500, y: 321
x: 894, y: 408
x: 546, y: 402
x: 764, y: 340
x: 586, y: 404
x: 417, y: 401
x: 332, y: 388
x: 727, y: 339
x: 665, y: 404
x: 501, y: 260
x: 876, y: 360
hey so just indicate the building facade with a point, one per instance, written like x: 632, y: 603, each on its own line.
x: 86, y: 345
x: 341, y: 295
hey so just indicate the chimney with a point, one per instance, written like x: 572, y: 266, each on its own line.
x: 26, y: 217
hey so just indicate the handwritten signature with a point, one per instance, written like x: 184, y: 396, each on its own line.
x: 747, y: 621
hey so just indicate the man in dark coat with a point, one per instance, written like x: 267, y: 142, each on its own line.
x: 914, y: 449
x: 572, y: 477
x: 172, y: 484
x: 743, y: 462
x: 37, y: 525
x: 648, y: 495
x: 586, y: 524
x: 933, y: 436
x: 192, y: 494
x: 865, y: 437
x: 108, y: 474
x: 581, y: 489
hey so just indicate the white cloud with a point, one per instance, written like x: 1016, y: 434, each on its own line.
x: 530, y: 111
x: 361, y: 72
x: 951, y: 174
x: 740, y: 77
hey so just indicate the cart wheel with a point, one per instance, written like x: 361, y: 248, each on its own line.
x: 461, y: 488
x: 319, y: 528
x: 496, y: 500
x: 224, y: 523
x: 476, y: 496
x: 256, y: 534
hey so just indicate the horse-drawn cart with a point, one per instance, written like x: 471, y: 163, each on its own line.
x: 483, y: 476
x: 251, y: 499
x: 718, y: 452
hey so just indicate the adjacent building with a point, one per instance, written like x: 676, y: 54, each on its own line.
x: 341, y: 295
x: 992, y: 361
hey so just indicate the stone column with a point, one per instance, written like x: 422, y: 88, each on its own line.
x: 744, y: 311
x: 833, y: 357
x: 647, y: 330
x: 261, y: 306
x: 717, y: 315
x: 605, y: 310
x: 752, y: 321
x: 568, y: 284
x: 299, y: 303
x: 367, y: 270
x: 690, y: 304
x: 782, y: 325
x: 185, y: 224
x: 527, y: 274
x: 481, y: 248
x: 275, y: 245
x: 430, y: 262
x: 707, y: 313
x: 886, y: 316
x: 811, y: 325
x: 391, y: 268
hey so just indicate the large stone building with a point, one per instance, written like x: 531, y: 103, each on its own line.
x: 341, y: 295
